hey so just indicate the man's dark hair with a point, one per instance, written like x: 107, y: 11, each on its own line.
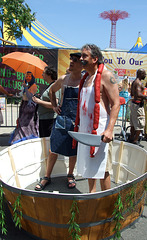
x: 50, y: 71
x: 95, y: 52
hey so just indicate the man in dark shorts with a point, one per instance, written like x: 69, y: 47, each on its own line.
x: 61, y: 142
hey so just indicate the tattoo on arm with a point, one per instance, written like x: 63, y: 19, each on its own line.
x: 113, y: 80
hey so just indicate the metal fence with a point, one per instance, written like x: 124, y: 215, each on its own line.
x: 9, y: 110
x: 123, y: 121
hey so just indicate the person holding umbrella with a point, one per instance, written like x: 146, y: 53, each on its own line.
x: 27, y: 123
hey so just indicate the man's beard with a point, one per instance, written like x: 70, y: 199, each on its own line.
x: 84, y: 62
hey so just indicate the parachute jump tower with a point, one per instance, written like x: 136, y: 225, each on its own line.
x: 113, y: 16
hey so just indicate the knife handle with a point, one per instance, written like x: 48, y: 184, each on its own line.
x: 103, y: 137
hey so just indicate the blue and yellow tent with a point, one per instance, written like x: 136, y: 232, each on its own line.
x: 39, y: 37
x: 143, y: 49
x: 138, y: 45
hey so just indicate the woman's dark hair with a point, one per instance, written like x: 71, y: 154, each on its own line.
x: 95, y: 52
x: 50, y: 71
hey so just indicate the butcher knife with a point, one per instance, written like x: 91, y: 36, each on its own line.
x: 86, y: 138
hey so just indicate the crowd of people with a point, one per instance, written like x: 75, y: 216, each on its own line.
x: 86, y: 101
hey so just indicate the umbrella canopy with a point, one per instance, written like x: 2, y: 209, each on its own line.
x: 23, y: 62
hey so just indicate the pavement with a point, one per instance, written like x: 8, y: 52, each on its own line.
x: 137, y: 231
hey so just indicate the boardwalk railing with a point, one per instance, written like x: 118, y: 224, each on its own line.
x: 123, y: 120
x: 9, y: 110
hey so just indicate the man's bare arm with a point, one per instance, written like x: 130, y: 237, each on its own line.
x: 111, y: 89
x: 58, y: 84
x: 5, y: 92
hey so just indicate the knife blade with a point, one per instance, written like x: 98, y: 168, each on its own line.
x: 86, y: 138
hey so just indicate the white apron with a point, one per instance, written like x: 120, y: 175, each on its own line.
x: 86, y: 166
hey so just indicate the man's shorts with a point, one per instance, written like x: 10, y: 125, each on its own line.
x: 137, y: 116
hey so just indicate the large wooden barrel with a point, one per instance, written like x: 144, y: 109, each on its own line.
x: 46, y: 215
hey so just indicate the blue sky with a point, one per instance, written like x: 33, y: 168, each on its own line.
x: 77, y: 22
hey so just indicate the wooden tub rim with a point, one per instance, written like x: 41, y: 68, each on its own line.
x: 82, y: 196
x: 48, y: 138
x: 85, y: 196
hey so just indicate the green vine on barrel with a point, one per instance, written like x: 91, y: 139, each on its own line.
x: 145, y: 185
x: 2, y: 212
x: 74, y: 228
x: 17, y: 212
x: 145, y: 188
x: 118, y: 216
x: 130, y: 198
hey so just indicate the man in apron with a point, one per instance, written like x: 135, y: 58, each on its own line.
x: 97, y: 113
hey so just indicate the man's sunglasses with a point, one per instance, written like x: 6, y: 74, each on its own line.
x: 74, y: 59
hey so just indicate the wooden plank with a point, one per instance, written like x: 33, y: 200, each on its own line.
x: 13, y: 167
x: 119, y: 162
x: 45, y: 154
